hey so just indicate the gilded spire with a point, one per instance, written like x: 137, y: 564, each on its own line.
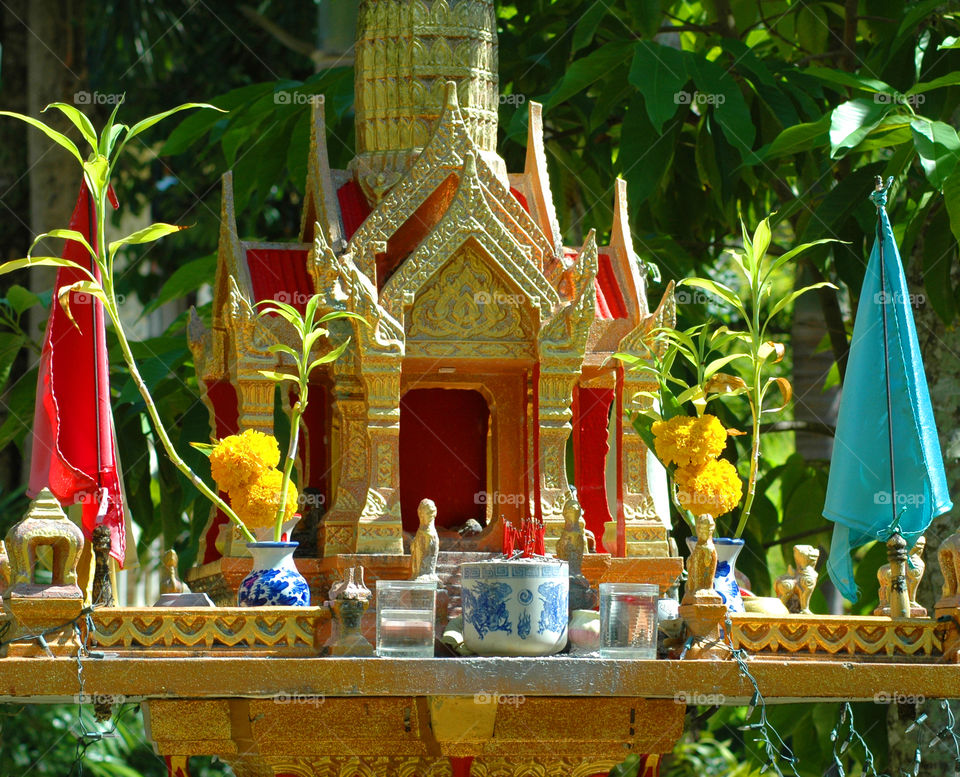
x: 405, y: 53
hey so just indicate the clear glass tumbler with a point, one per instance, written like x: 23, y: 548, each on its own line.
x: 628, y: 620
x: 406, y: 611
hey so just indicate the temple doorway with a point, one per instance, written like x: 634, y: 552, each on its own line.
x: 443, y: 454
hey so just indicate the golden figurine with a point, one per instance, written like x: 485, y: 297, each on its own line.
x: 796, y: 587
x: 572, y: 543
x: 170, y: 582
x: 102, y: 593
x: 914, y: 573
x: 702, y: 564
x: 426, y: 544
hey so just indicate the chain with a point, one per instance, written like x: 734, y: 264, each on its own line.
x: 775, y: 749
x: 852, y: 737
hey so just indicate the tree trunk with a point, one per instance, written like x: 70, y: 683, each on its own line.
x: 810, y: 402
x: 940, y: 347
x: 54, y: 74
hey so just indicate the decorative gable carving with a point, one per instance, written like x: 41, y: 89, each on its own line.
x: 468, y: 301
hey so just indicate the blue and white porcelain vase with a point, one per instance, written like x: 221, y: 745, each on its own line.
x: 725, y: 579
x: 274, y: 580
x: 515, y: 608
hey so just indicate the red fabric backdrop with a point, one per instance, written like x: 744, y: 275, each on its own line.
x: 443, y: 454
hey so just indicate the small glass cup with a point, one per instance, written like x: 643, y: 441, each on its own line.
x: 628, y: 620
x: 406, y: 611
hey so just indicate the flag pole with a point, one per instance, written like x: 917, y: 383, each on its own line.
x: 879, y: 199
x: 96, y: 356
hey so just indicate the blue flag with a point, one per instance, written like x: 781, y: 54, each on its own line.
x: 865, y: 494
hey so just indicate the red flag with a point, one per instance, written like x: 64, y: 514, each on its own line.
x: 73, y: 444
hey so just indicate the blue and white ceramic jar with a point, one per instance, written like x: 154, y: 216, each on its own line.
x: 515, y: 608
x: 274, y: 580
x: 724, y: 579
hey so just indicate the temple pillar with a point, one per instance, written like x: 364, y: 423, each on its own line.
x: 338, y: 529
x: 646, y: 532
x: 555, y: 398
x: 255, y: 397
x: 379, y: 528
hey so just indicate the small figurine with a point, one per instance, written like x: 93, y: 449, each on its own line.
x: 703, y: 610
x: 702, y: 564
x: 102, y: 591
x: 796, y: 587
x: 914, y: 573
x: 948, y: 555
x: 898, y: 597
x: 572, y: 543
x: 426, y: 544
x: 349, y: 600
x: 170, y: 582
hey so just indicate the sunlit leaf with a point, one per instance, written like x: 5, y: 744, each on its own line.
x: 145, y: 235
x: 79, y: 120
x: 51, y: 133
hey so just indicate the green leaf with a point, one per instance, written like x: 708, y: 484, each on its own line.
x: 110, y: 133
x: 64, y: 234
x: 206, y: 448
x: 725, y: 293
x: 337, y: 314
x: 10, y: 345
x: 951, y: 199
x: 801, y: 137
x: 792, y: 254
x: 310, y: 310
x: 41, y: 261
x: 51, y: 133
x: 96, y: 172
x: 939, y: 247
x: 852, y: 121
x: 79, y: 120
x: 185, y: 279
x: 950, y: 79
x: 718, y: 364
x: 784, y: 301
x: 278, y: 376
x: 282, y: 309
x: 841, y: 78
x: 761, y: 241
x: 587, y: 27
x: 332, y: 356
x: 720, y: 89
x: 284, y: 348
x: 21, y: 299
x: 659, y: 73
x: 938, y: 146
x: 583, y: 72
x: 646, y: 15
x: 19, y: 403
x: 145, y: 235
x: 145, y: 124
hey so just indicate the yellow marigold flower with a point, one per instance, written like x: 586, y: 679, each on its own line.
x: 256, y: 504
x: 687, y: 441
x: 671, y: 439
x: 712, y: 487
x: 239, y: 458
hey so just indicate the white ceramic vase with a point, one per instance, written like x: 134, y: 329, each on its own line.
x: 515, y: 608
